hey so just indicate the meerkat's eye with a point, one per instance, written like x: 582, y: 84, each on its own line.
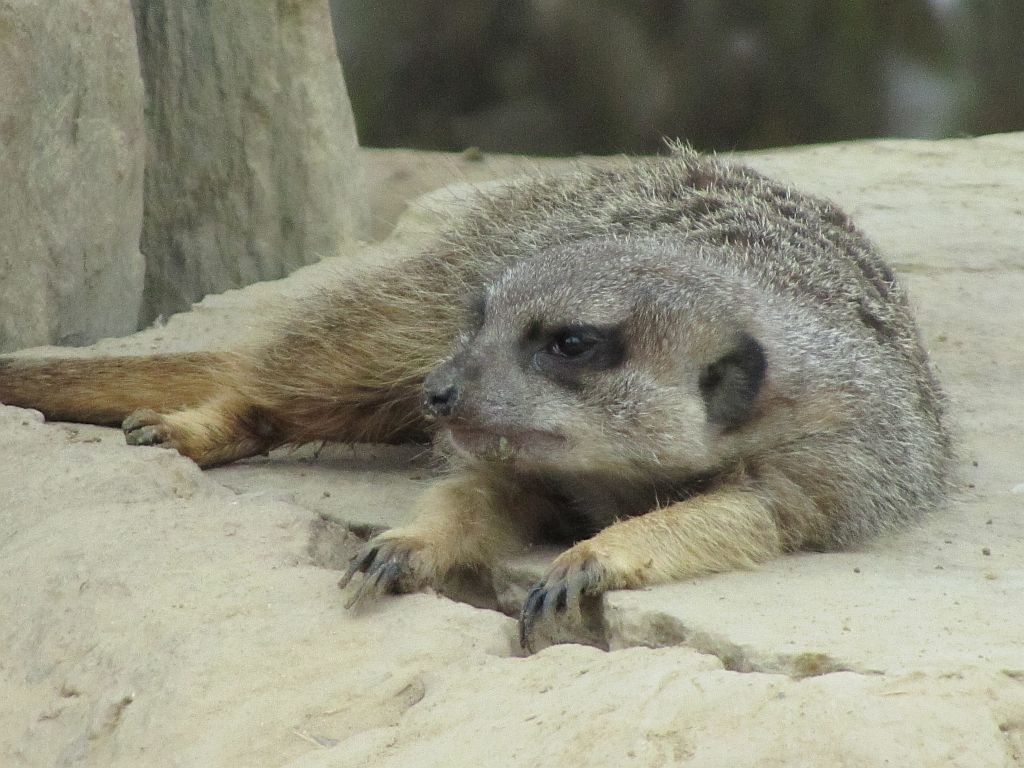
x: 572, y: 351
x: 570, y: 344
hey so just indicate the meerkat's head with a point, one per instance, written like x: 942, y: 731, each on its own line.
x: 607, y: 355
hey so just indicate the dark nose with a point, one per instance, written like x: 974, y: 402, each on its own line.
x: 440, y: 392
x: 439, y: 401
x: 443, y: 387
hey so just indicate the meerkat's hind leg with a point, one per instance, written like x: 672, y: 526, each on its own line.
x: 224, y: 429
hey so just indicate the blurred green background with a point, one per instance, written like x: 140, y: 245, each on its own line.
x: 599, y: 76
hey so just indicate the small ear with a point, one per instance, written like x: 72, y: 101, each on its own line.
x: 730, y: 384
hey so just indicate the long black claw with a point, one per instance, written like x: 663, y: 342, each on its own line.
x: 561, y: 598
x: 390, y: 576
x: 368, y: 586
x: 559, y: 593
x: 360, y: 563
x: 385, y: 577
x: 531, y: 609
x: 386, y: 570
x: 356, y: 596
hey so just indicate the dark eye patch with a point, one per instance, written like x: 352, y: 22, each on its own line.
x: 534, y: 332
x: 568, y: 352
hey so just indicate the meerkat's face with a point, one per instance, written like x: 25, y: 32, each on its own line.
x: 596, y: 357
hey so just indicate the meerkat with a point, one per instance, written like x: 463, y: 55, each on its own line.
x: 677, y: 364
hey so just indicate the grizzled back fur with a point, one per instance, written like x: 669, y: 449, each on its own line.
x: 803, y: 247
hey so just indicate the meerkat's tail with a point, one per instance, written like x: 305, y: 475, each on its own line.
x: 106, y: 390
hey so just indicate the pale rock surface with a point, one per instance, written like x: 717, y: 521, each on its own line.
x: 72, y: 151
x: 156, y: 615
x: 252, y: 167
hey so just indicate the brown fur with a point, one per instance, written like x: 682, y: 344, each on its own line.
x: 754, y: 383
x: 107, y: 390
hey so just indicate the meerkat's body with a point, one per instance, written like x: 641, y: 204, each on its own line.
x: 681, y: 365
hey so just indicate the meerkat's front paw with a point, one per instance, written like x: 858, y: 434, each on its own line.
x: 576, y: 573
x: 391, y: 563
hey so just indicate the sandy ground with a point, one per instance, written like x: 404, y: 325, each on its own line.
x: 155, y: 615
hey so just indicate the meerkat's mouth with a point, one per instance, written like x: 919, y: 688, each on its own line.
x: 503, y: 445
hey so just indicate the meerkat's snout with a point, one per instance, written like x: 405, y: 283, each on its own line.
x: 480, y: 401
x: 441, y: 391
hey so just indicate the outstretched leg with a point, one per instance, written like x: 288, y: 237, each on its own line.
x: 188, y: 402
x: 221, y: 430
x: 721, y: 531
x: 347, y: 367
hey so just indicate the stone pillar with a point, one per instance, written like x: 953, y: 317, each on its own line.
x: 71, y: 168
x: 252, y: 168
